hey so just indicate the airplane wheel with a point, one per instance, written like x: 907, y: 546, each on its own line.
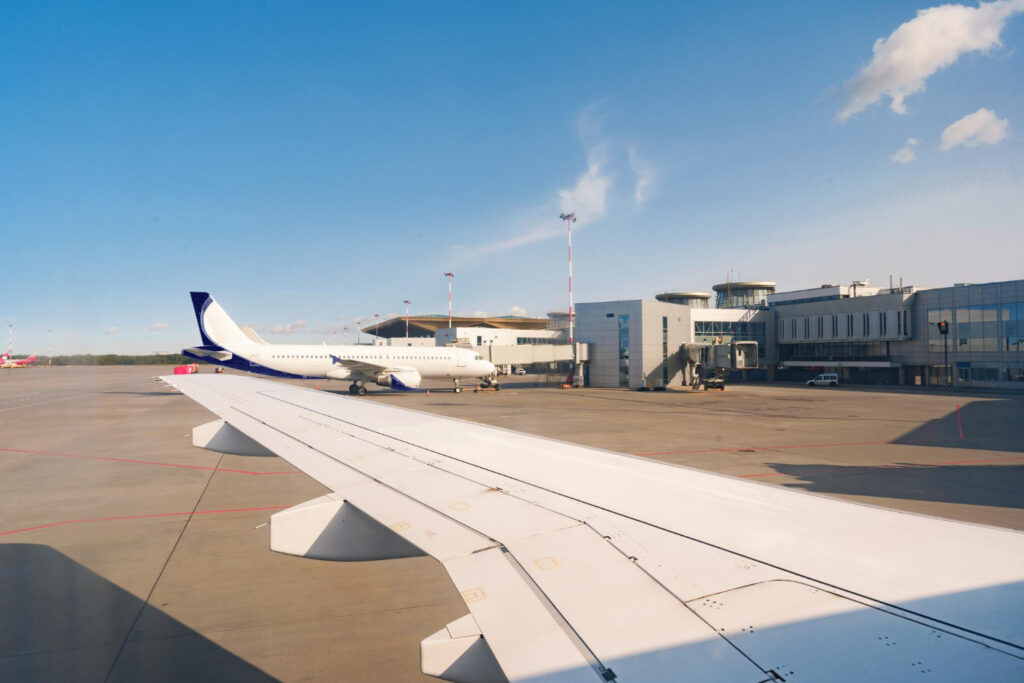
x: 361, y: 391
x: 497, y: 387
x: 458, y: 390
x: 353, y: 388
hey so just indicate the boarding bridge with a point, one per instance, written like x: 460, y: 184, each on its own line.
x: 527, y: 354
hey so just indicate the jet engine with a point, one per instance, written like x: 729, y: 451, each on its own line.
x: 403, y: 380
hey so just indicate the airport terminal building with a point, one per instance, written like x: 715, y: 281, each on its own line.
x: 892, y: 336
x: 865, y: 334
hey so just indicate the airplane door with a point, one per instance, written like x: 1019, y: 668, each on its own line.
x: 254, y: 358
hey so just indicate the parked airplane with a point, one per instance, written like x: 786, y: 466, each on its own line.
x: 403, y: 368
x: 7, y: 362
x: 577, y: 564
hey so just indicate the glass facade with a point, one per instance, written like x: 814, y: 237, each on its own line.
x: 996, y: 329
x: 664, y: 350
x: 707, y: 331
x: 991, y: 327
x: 623, y: 350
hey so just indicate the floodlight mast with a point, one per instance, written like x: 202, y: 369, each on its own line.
x: 449, y: 276
x: 569, y: 219
x: 406, y: 302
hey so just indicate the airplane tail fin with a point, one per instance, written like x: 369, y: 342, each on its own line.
x: 215, y: 326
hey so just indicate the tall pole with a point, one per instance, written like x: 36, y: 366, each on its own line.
x: 376, y: 328
x: 407, y: 302
x: 945, y: 357
x: 569, y: 219
x: 449, y: 276
x: 358, y: 340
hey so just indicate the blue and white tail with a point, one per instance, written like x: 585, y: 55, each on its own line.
x: 215, y: 326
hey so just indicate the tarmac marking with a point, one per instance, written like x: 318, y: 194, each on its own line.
x: 898, y: 467
x: 141, y: 462
x: 158, y: 514
x: 739, y: 449
x: 68, y: 398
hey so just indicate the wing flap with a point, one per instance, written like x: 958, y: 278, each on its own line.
x: 627, y: 620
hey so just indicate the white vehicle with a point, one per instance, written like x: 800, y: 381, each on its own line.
x: 403, y: 368
x: 520, y: 370
x: 828, y: 379
x: 577, y: 564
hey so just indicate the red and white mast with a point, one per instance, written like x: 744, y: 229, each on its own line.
x: 449, y: 276
x: 569, y: 218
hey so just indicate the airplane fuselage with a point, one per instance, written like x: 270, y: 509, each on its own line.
x: 311, y: 361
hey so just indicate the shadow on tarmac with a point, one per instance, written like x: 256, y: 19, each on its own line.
x: 60, y: 621
x: 991, y: 425
x: 991, y: 485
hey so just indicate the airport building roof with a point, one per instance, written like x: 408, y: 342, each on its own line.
x: 427, y: 325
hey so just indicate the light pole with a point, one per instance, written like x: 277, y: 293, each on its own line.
x: 449, y: 276
x: 569, y: 219
x: 407, y: 302
x: 944, y: 331
x: 376, y: 328
x: 358, y: 340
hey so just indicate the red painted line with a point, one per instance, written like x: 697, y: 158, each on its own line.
x: 140, y: 462
x: 959, y: 421
x: 766, y: 448
x: 896, y: 467
x: 159, y: 514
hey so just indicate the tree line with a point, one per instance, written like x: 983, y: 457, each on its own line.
x: 114, y: 359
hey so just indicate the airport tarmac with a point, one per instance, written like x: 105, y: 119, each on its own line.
x: 126, y: 554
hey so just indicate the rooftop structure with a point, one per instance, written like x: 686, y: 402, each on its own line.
x: 691, y: 299
x: 743, y: 294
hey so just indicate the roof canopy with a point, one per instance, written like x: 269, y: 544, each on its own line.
x: 427, y: 325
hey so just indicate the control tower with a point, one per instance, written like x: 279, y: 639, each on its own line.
x: 691, y: 299
x: 743, y: 294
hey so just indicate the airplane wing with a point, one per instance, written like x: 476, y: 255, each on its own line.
x: 345, y: 366
x: 578, y: 564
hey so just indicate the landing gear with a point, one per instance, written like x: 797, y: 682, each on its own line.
x: 357, y: 389
x: 458, y: 389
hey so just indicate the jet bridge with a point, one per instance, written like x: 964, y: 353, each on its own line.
x: 526, y: 354
x: 708, y: 365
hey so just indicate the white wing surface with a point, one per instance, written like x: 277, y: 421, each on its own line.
x: 581, y: 564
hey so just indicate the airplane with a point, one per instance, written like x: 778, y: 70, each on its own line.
x: 578, y: 564
x: 402, y: 368
x: 7, y: 362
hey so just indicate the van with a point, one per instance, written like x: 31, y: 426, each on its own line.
x: 828, y: 379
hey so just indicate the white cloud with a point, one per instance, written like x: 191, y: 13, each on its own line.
x: 933, y: 40
x: 112, y: 330
x: 296, y: 327
x: 518, y: 310
x: 905, y: 154
x: 588, y: 199
x: 521, y: 240
x: 644, y: 173
x: 982, y: 127
x: 158, y: 327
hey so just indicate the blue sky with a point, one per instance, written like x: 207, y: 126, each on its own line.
x: 311, y: 163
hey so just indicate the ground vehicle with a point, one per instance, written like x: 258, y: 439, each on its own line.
x: 828, y: 379
x: 520, y: 370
